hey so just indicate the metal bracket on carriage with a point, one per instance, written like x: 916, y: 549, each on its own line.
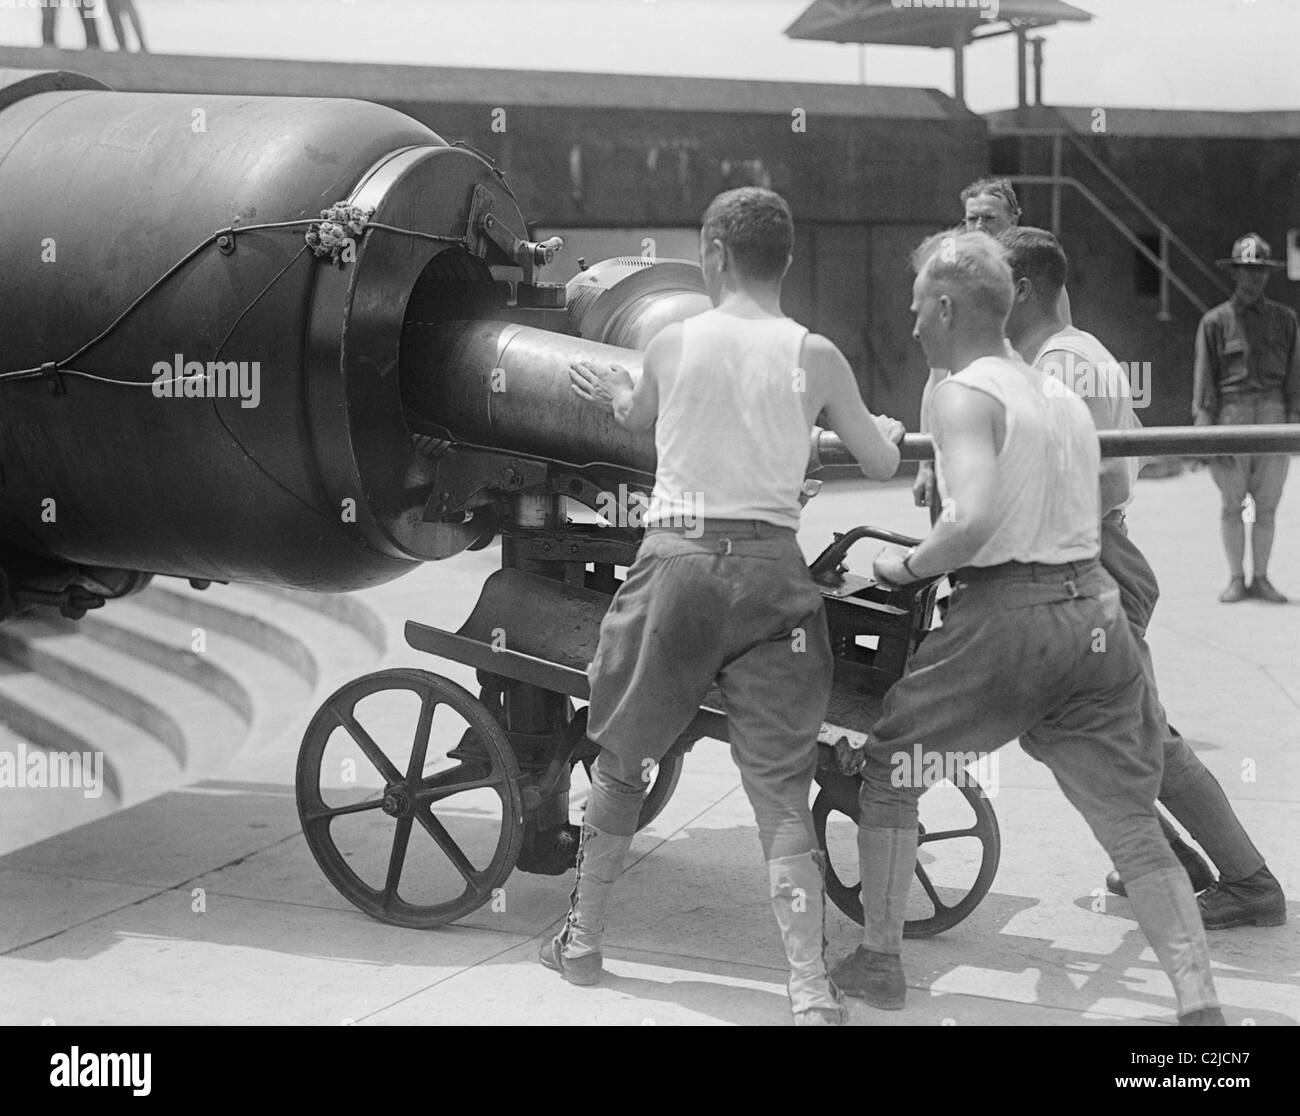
x: 613, y: 545
x: 468, y: 478
x: 841, y: 789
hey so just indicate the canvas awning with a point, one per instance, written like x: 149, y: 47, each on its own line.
x: 928, y: 23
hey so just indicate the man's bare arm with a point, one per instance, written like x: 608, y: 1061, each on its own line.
x: 964, y: 423
x: 923, y: 488
x: 846, y: 414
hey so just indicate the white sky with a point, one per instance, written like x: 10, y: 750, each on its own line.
x: 1216, y: 54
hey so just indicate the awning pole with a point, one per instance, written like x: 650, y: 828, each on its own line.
x: 959, y: 66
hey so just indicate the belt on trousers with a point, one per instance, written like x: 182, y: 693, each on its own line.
x: 1028, y: 571
x: 740, y: 528
x: 1269, y: 394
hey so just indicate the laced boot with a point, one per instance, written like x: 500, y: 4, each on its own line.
x: 574, y: 953
x: 799, y: 904
x: 1166, y: 910
x: 874, y: 971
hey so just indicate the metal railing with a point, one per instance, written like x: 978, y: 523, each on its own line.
x: 1168, y: 239
x: 1168, y: 277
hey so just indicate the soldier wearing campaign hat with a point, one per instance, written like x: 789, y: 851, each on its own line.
x: 1248, y: 371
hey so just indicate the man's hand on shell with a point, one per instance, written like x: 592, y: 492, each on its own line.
x: 599, y: 383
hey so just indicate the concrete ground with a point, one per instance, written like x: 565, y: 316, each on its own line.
x: 204, y: 905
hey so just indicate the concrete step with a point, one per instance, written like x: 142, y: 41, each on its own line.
x: 171, y: 686
x: 203, y: 730
x: 321, y: 640
x: 52, y: 715
x: 29, y: 814
x: 254, y: 683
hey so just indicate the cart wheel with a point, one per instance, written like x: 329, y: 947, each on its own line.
x: 964, y: 873
x: 666, y: 776
x: 667, y: 772
x: 463, y: 790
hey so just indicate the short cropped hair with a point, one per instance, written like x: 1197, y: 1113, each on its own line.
x: 756, y: 225
x: 996, y: 188
x: 971, y: 264
x: 1036, y: 255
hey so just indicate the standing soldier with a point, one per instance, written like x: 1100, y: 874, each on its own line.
x: 50, y: 14
x: 1248, y: 371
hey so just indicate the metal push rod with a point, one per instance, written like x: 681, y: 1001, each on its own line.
x: 1165, y: 441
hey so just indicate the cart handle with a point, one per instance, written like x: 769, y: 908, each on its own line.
x: 826, y: 567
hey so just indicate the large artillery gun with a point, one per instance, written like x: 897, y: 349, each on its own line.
x: 307, y: 342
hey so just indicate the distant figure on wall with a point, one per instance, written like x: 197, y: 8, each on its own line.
x: 117, y: 11
x: 1248, y: 371
x: 87, y: 12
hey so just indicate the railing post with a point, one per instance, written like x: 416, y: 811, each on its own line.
x: 1022, y: 58
x: 1164, y: 315
x: 959, y: 66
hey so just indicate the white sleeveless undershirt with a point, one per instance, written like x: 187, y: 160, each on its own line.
x: 1094, y: 372
x: 1048, y: 504
x: 732, y: 437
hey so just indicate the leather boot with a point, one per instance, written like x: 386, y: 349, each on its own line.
x: 1236, y: 591
x: 875, y: 977
x: 1255, y: 901
x: 798, y: 902
x: 1262, y: 590
x: 1166, y: 910
x: 874, y: 972
x: 1198, y: 871
x: 575, y: 952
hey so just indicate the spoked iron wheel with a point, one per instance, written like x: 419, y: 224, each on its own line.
x: 663, y: 781
x: 414, y: 831
x: 954, y: 872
